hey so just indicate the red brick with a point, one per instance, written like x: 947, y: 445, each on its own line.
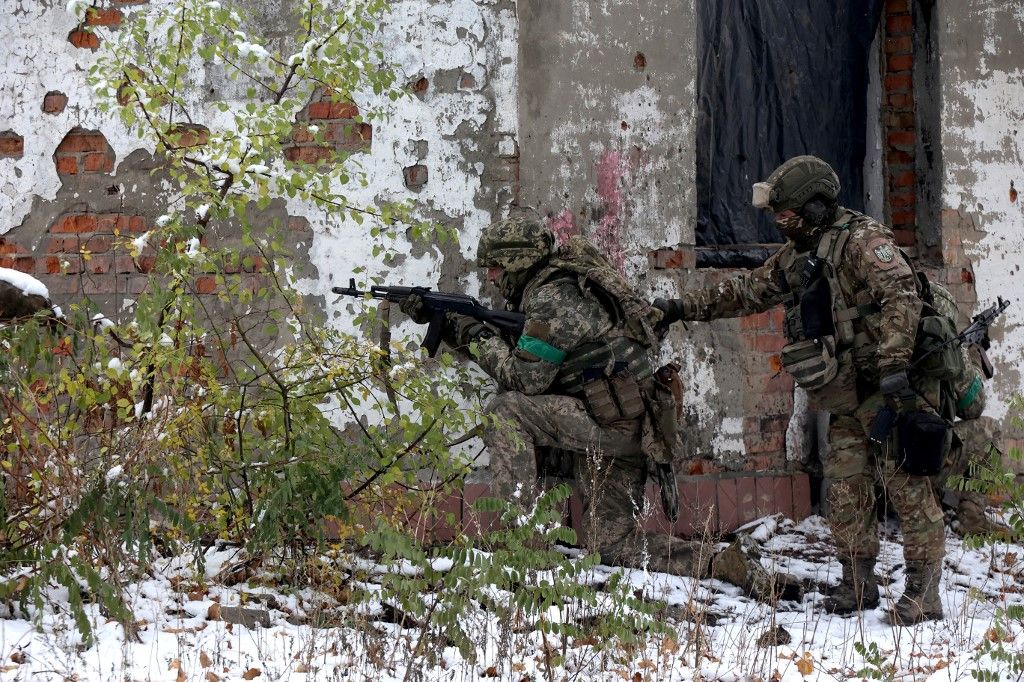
x: 900, y: 62
x: 98, y: 161
x: 24, y: 264
x: 99, y: 265
x: 320, y: 110
x: 902, y: 178
x: 344, y: 110
x: 903, y: 218
x: 206, y: 284
x: 898, y: 157
x: 900, y: 100
x: 145, y: 263
x: 769, y: 343
x: 899, y: 82
x: 6, y: 262
x: 905, y: 121
x: 779, y: 383
x: 189, y: 135
x: 902, y: 139
x: 137, y: 223
x: 12, y: 145
x: 100, y: 286
x: 905, y: 237
x: 301, y: 133
x: 759, y: 321
x: 80, y: 140
x: 415, y: 176
x: 98, y: 244
x: 778, y: 319
x: 84, y: 39
x: 10, y: 248
x: 102, y: 17
x: 899, y: 24
x: 899, y: 45
x: 311, y: 154
x: 904, y: 199
x: 54, y: 102
x: 801, y: 497
x: 52, y: 265
x: 467, y: 82
x: 419, y: 86
x: 85, y: 222
x: 67, y: 165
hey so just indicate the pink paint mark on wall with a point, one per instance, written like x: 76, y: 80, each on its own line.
x: 564, y: 226
x: 608, y: 233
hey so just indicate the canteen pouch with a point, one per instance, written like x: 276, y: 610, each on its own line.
x: 923, y: 440
x: 660, y: 426
x: 812, y: 363
x: 936, y: 355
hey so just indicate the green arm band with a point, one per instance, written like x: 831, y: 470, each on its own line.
x: 542, y: 349
x: 972, y: 393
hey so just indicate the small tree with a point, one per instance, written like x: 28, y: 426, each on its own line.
x: 216, y: 417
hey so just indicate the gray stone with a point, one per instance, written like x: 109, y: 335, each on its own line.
x: 250, y: 618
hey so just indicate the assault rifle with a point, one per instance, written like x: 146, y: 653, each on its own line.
x: 437, y: 305
x: 975, y: 334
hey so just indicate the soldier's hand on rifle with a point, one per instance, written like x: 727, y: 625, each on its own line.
x: 896, y: 386
x: 463, y: 330
x: 413, y: 306
x: 672, y: 311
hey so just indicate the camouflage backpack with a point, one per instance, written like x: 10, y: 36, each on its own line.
x: 597, y: 276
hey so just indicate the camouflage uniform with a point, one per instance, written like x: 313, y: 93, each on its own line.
x: 878, y: 305
x: 568, y: 324
x: 885, y: 344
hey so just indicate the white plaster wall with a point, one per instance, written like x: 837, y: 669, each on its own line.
x: 982, y: 75
x: 423, y: 37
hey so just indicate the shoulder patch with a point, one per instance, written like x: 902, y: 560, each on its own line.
x: 884, y: 253
x: 538, y: 330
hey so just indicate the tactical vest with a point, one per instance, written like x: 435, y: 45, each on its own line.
x: 625, y: 348
x: 819, y: 321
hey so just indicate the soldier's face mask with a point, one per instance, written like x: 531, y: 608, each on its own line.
x: 790, y: 224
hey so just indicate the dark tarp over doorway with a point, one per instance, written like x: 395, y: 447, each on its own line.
x: 777, y: 78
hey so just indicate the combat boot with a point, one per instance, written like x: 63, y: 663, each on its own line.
x: 740, y: 564
x: 970, y: 514
x: 920, y: 600
x: 858, y: 589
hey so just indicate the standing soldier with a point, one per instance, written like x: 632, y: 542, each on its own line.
x: 581, y: 379
x: 852, y: 312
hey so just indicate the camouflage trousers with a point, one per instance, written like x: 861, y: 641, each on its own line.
x: 610, y: 470
x: 854, y: 465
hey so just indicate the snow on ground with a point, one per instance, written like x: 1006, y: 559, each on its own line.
x: 715, y: 631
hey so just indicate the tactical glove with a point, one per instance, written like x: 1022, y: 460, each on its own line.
x: 413, y: 306
x: 896, y: 386
x: 665, y: 476
x: 462, y: 330
x: 672, y: 311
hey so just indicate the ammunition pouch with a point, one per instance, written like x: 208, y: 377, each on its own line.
x: 936, y: 354
x: 813, y: 363
x: 923, y: 439
x: 614, y: 398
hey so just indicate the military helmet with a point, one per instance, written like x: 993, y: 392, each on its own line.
x: 514, y: 244
x: 795, y: 182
